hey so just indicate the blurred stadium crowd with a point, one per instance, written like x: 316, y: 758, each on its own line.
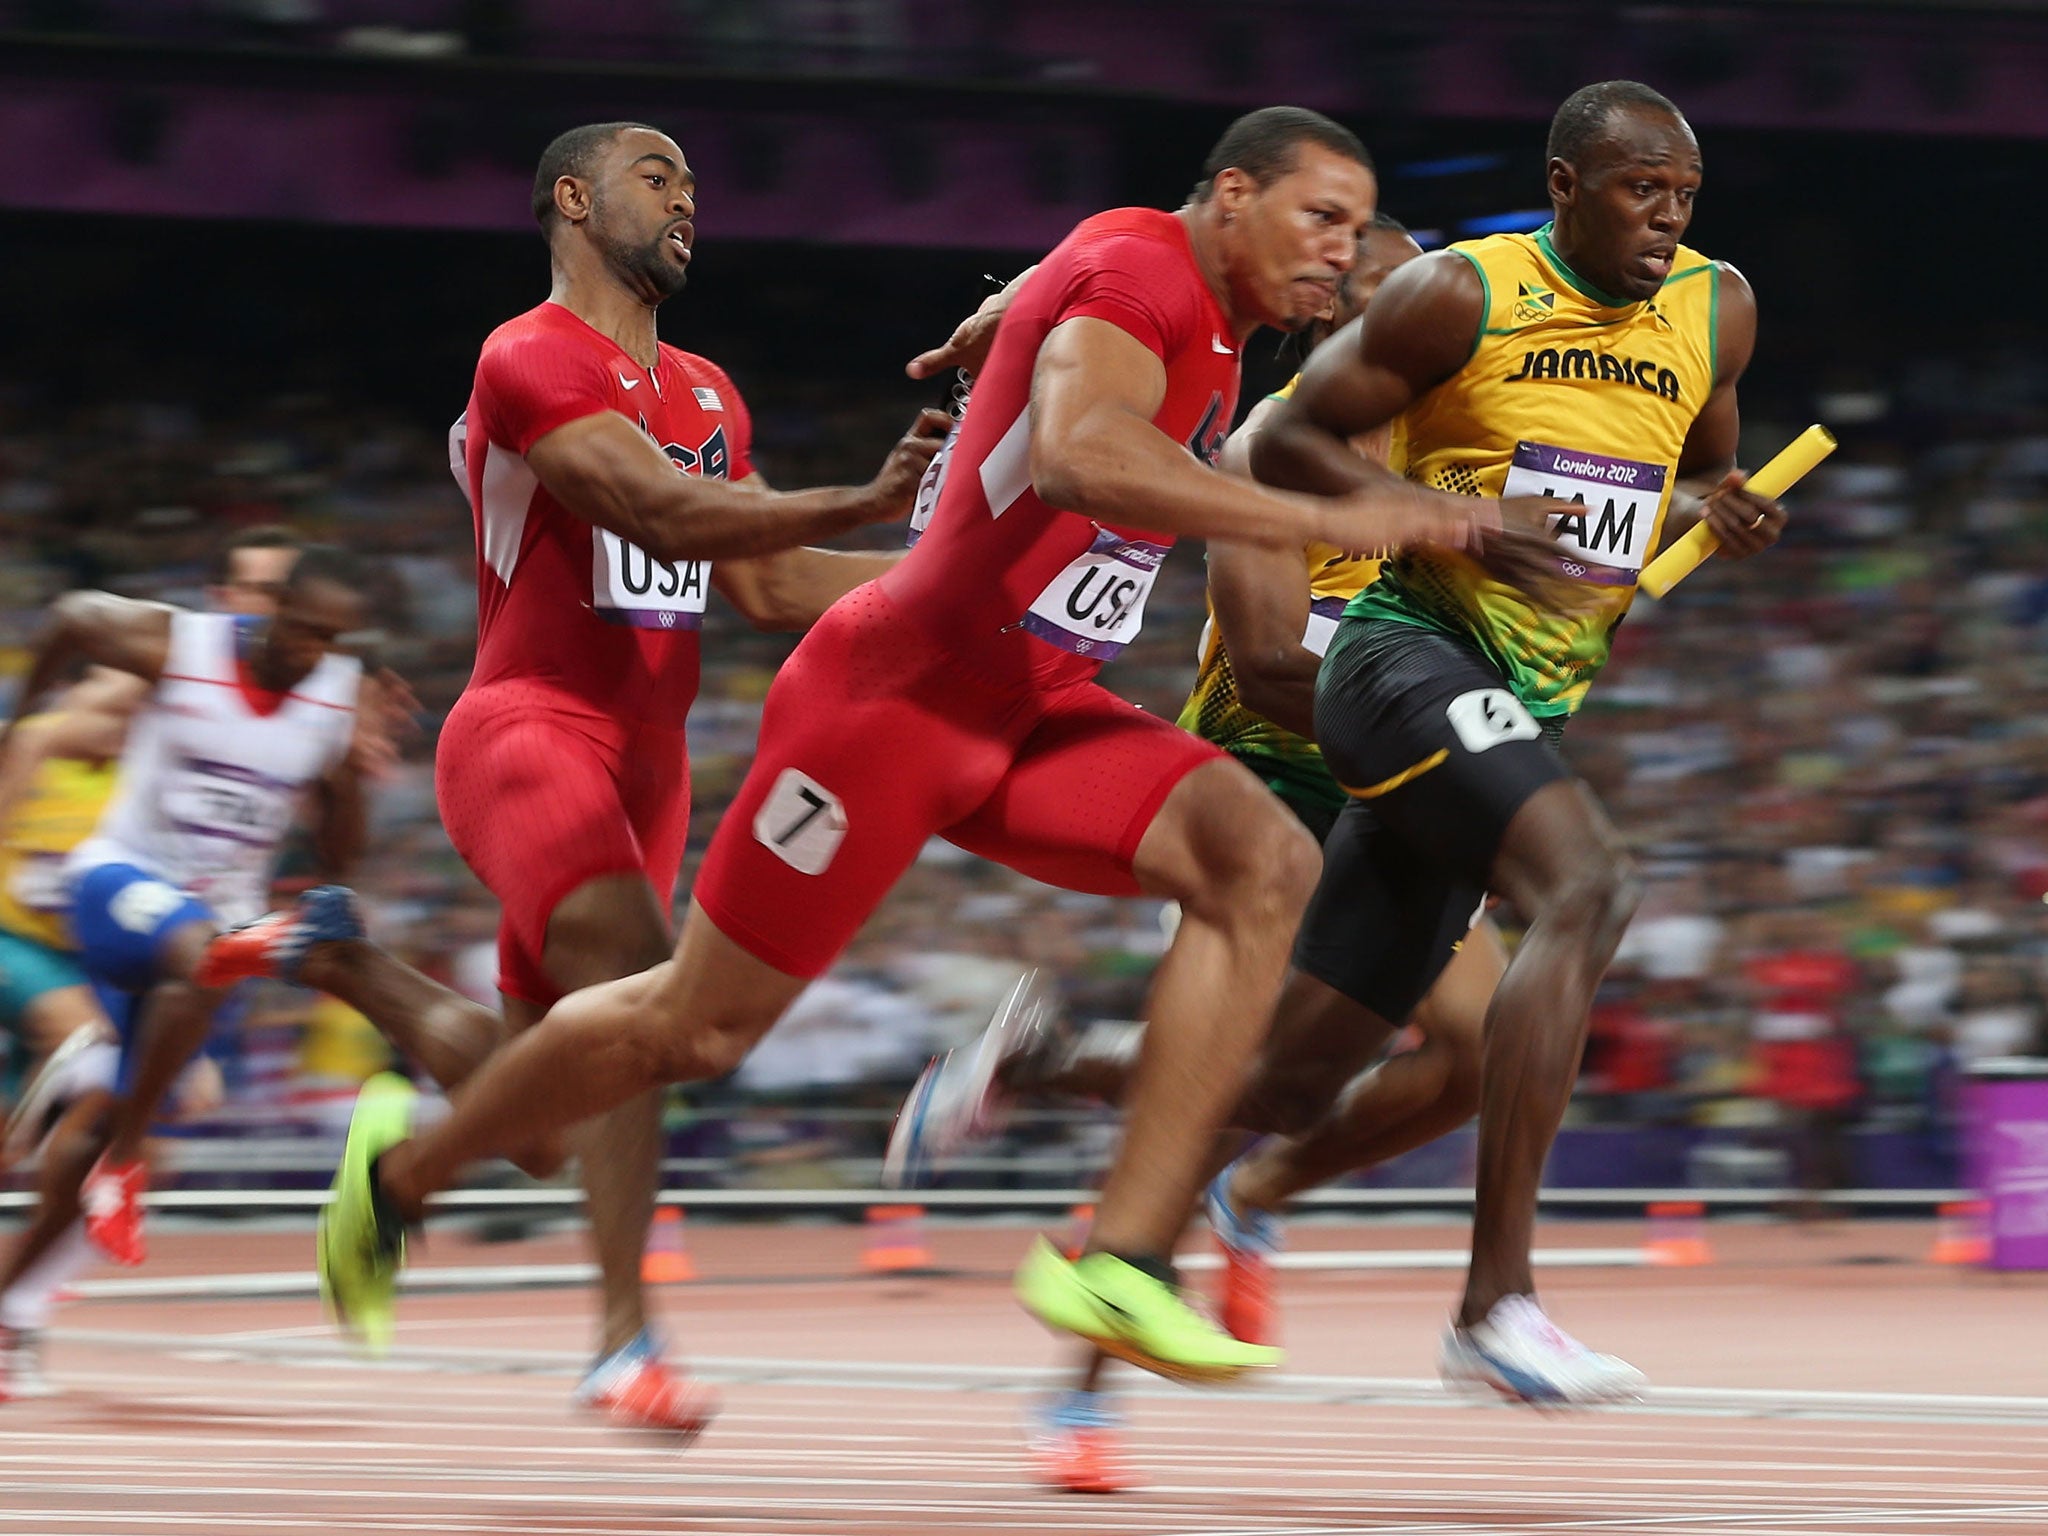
x: 1830, y: 761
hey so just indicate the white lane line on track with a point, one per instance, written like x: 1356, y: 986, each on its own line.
x: 1918, y: 1407
x: 775, y: 1438
x: 715, y: 1485
x: 471, y: 1372
x: 1886, y: 1523
x: 715, y: 1513
x: 905, y: 1450
x: 501, y: 1277
x: 356, y: 1402
x: 276, y: 1418
x: 129, y: 1521
x: 904, y: 1471
x: 621, y: 1456
x: 1161, y: 1522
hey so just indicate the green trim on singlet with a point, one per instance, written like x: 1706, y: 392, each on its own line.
x: 1301, y: 782
x: 1588, y: 290
x: 1714, y: 326
x: 1485, y: 308
x: 1713, y: 309
x: 1311, y: 810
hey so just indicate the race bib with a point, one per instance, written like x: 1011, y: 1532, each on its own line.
x: 1096, y: 606
x: 1323, y: 615
x: 928, y: 488
x: 801, y: 822
x: 240, y: 806
x: 1605, y: 537
x: 630, y: 586
x: 40, y: 884
x: 1487, y: 717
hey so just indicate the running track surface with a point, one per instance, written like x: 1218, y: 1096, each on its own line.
x: 1824, y: 1384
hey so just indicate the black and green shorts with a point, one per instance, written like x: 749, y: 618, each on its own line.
x: 1436, y: 755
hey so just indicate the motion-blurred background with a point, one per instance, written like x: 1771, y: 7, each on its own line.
x: 249, y: 248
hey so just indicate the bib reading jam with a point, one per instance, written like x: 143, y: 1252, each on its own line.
x: 1569, y: 393
x: 1025, y: 593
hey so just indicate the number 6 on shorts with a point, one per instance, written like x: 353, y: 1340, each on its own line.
x: 801, y: 822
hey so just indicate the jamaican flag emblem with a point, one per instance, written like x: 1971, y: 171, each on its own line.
x: 1533, y: 304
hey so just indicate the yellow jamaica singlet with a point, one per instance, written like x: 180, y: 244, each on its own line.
x: 61, y: 810
x: 1570, y: 393
x: 1291, y: 765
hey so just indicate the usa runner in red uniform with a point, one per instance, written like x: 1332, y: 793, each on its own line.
x: 563, y: 772
x: 956, y: 697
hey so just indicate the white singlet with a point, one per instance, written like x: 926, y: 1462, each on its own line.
x: 215, y: 769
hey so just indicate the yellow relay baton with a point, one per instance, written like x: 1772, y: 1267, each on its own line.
x: 1773, y: 481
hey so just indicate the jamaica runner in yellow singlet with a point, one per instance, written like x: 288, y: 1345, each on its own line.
x: 1594, y: 362
x: 56, y: 774
x: 1239, y: 708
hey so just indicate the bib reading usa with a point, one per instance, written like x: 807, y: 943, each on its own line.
x: 1096, y: 606
x: 630, y: 586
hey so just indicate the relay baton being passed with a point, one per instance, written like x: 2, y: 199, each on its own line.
x: 1772, y: 481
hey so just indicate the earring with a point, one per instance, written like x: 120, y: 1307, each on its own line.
x: 1228, y: 216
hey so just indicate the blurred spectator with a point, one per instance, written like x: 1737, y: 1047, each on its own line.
x: 1805, y: 1059
x: 1833, y: 761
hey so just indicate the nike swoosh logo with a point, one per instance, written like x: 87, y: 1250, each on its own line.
x: 1120, y: 1313
x: 1217, y: 343
x: 626, y: 383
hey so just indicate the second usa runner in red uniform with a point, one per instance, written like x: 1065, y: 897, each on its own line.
x: 955, y: 697
x: 605, y: 472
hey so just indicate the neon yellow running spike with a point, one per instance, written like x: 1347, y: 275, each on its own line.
x: 358, y: 1264
x: 1124, y: 1312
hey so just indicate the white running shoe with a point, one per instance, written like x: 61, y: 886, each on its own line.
x: 1524, y: 1356
x: 21, y: 1365
x: 957, y: 1099
x: 88, y: 1058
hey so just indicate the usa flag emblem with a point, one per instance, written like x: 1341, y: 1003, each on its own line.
x: 707, y: 398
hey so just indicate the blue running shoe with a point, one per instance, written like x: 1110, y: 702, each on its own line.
x: 1249, y: 1240
x: 277, y: 943
x: 960, y: 1097
x: 634, y: 1387
x: 1076, y: 1444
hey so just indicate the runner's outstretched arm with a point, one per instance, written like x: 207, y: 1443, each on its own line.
x: 1094, y: 450
x: 117, y: 632
x: 792, y: 588
x: 607, y: 471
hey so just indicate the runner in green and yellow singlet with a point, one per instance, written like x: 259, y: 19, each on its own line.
x: 56, y: 774
x: 1278, y: 610
x: 1594, y: 362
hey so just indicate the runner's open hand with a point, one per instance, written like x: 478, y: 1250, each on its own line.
x: 968, y: 346
x: 1516, y: 546
x: 387, y: 712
